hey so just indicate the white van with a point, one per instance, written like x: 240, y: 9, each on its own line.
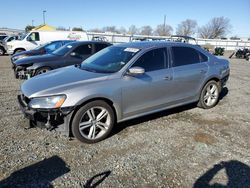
x: 36, y: 38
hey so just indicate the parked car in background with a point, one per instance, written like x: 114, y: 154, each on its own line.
x: 4, y: 42
x: 69, y: 54
x: 36, y: 38
x: 40, y: 50
x: 3, y: 37
x: 123, y: 82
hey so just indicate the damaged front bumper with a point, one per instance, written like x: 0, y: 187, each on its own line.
x: 52, y: 119
x: 23, y: 73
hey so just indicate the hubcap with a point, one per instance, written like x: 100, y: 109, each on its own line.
x: 211, y: 95
x: 94, y: 122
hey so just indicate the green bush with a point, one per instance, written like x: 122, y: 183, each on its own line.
x: 219, y: 51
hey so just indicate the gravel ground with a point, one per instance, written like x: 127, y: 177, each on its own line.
x: 183, y: 147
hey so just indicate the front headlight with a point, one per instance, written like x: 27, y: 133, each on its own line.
x: 19, y: 57
x: 47, y: 102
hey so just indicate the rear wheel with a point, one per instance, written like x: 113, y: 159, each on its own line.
x: 93, y: 122
x: 42, y: 70
x: 209, y: 95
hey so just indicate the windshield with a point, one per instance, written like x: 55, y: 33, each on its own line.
x: 22, y: 36
x: 63, y: 50
x: 109, y: 60
x: 41, y: 46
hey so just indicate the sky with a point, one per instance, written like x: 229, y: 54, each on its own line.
x: 90, y: 14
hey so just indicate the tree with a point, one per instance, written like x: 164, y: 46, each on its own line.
x: 146, y: 30
x: 61, y: 28
x: 163, y: 31
x: 216, y: 28
x: 96, y: 30
x: 132, y: 30
x: 187, y: 27
x: 29, y: 28
x: 122, y: 30
x: 109, y: 29
x: 77, y: 29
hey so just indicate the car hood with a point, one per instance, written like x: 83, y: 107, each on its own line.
x: 58, y: 81
x: 35, y: 59
x: 27, y: 53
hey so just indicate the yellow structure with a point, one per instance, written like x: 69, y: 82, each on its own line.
x: 44, y: 27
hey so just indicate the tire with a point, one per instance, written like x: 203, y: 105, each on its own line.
x: 209, y: 96
x: 2, y: 51
x: 19, y: 50
x: 42, y: 70
x: 93, y: 130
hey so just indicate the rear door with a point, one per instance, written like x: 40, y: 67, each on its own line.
x: 189, y: 70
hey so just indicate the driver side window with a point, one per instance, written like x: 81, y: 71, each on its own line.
x: 152, y: 60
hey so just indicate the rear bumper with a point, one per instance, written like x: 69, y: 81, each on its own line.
x: 52, y: 119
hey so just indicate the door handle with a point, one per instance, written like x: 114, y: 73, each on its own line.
x: 168, y: 78
x: 203, y: 71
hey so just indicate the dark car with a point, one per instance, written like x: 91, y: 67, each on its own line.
x: 40, y: 50
x: 69, y: 54
x: 3, y: 37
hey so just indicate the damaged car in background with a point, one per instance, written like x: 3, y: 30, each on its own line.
x: 122, y: 82
x: 40, y: 50
x: 69, y: 54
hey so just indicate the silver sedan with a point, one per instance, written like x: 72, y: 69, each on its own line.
x: 122, y: 82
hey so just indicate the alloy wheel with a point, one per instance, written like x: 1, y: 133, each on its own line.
x: 95, y: 122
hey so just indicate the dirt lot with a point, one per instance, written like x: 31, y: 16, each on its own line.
x: 183, y: 147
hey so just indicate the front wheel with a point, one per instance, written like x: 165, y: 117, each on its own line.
x: 93, y: 122
x: 2, y: 51
x: 18, y: 51
x: 209, y: 95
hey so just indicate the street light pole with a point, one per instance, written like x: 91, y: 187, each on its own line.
x: 44, y: 16
x: 32, y: 22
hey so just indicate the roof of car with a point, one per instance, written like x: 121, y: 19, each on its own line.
x: 88, y: 42
x: 151, y: 44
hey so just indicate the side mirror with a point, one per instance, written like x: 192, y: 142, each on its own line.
x: 29, y: 39
x: 136, y: 71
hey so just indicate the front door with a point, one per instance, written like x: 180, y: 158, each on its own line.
x: 150, y: 91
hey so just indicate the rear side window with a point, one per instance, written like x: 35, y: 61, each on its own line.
x: 99, y: 47
x: 85, y: 49
x: 184, y: 56
x: 152, y: 60
x: 203, y: 58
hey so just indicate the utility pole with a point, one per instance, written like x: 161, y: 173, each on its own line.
x: 32, y: 22
x: 164, y: 25
x: 44, y: 16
